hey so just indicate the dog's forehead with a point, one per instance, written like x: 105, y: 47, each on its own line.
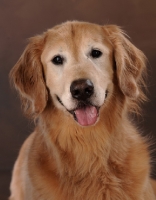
x: 71, y: 37
x: 75, y: 32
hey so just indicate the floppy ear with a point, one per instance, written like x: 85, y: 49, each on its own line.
x: 27, y: 76
x: 130, y: 62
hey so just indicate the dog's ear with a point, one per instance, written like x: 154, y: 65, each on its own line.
x: 28, y: 77
x: 130, y: 62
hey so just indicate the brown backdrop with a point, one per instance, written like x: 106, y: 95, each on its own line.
x: 21, y: 19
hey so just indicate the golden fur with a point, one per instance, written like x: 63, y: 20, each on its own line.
x: 62, y: 160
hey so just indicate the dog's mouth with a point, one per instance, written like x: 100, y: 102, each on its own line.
x: 85, y: 113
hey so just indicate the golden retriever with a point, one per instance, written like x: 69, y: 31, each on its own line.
x: 80, y: 82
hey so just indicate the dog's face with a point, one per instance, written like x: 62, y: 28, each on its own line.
x: 75, y: 65
x: 78, y: 70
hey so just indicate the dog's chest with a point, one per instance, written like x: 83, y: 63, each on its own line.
x: 105, y: 184
x: 95, y: 188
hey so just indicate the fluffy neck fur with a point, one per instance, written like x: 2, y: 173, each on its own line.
x: 93, y: 155
x: 81, y: 148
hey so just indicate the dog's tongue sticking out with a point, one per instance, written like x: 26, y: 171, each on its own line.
x: 86, y: 116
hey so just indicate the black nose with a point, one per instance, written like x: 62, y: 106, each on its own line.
x: 82, y: 89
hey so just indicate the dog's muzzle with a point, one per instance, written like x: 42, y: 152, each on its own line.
x: 85, y: 113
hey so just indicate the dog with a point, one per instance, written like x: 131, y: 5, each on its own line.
x: 80, y: 82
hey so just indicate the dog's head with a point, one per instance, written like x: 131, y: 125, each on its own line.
x: 78, y: 66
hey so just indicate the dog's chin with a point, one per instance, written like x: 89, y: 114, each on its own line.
x: 85, y: 113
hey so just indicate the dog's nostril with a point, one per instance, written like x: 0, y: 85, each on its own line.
x: 88, y: 91
x: 76, y: 93
x: 82, y: 89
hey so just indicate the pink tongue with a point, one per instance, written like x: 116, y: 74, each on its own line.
x: 86, y: 116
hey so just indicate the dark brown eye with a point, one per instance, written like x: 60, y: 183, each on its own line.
x: 58, y: 60
x: 95, y: 53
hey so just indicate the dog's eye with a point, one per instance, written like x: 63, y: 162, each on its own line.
x: 95, y: 53
x: 58, y: 60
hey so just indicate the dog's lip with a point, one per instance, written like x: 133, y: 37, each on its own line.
x: 83, y: 106
x: 80, y: 105
x: 59, y: 100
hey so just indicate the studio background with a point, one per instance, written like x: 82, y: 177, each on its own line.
x: 21, y: 19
